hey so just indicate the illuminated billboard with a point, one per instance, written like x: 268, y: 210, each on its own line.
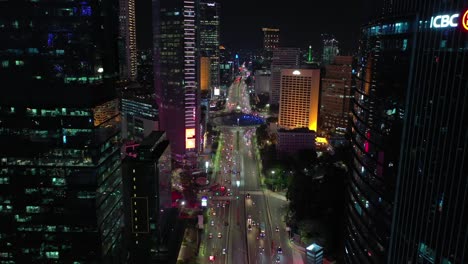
x: 190, y: 138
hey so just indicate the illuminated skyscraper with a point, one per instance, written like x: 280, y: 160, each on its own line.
x: 408, y: 190
x: 430, y: 222
x: 209, y: 25
x: 330, y: 48
x: 299, y: 99
x: 127, y: 31
x: 177, y: 63
x: 60, y: 191
x: 270, y: 39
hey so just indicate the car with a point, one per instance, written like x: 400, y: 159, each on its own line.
x: 277, y: 229
x: 224, y: 251
x: 278, y: 259
x: 212, y: 223
x: 219, y: 235
x: 279, y: 250
x: 248, y: 196
x: 210, y: 235
x: 249, y: 227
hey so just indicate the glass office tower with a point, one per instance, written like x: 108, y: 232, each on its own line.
x: 60, y: 183
x: 431, y: 216
x: 409, y: 192
x: 176, y: 63
x: 209, y: 23
x: 377, y: 121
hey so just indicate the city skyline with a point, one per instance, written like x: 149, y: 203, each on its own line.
x: 300, y: 27
x: 234, y: 132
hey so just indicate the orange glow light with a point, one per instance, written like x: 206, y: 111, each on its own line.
x: 190, y: 138
x: 464, y: 20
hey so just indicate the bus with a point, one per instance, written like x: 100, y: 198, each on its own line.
x: 262, y: 229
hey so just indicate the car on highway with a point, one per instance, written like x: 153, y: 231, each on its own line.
x: 210, y: 235
x: 212, y: 223
x: 220, y: 235
x: 278, y: 259
x: 249, y: 227
x: 277, y: 229
x: 247, y: 196
x: 279, y: 250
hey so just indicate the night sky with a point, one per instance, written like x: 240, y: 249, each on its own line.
x: 300, y: 22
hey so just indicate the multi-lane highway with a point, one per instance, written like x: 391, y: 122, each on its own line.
x: 245, y: 223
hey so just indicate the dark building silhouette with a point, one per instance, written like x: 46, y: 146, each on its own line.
x: 147, y: 199
x: 60, y: 191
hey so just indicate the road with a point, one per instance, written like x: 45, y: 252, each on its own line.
x: 239, y: 174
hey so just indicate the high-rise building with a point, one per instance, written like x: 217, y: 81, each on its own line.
x: 176, y: 74
x: 430, y: 222
x: 147, y: 196
x: 127, y: 24
x: 209, y: 25
x: 270, y: 39
x: 60, y: 191
x: 299, y: 99
x: 282, y: 58
x: 377, y: 119
x: 335, y: 95
x: 330, y: 48
x: 408, y: 186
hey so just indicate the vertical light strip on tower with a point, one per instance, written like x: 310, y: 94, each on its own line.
x: 190, y: 84
x: 132, y: 40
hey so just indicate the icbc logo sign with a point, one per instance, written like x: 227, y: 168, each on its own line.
x: 450, y: 21
x: 464, y: 20
x: 444, y: 21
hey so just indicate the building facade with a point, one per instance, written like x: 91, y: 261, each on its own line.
x: 176, y: 63
x: 60, y: 196
x: 430, y: 222
x: 335, y: 95
x: 270, y: 39
x: 282, y: 58
x: 127, y: 32
x: 291, y: 141
x: 147, y: 197
x: 139, y: 117
x: 209, y: 28
x: 330, y: 48
x: 299, y: 99
x: 379, y: 104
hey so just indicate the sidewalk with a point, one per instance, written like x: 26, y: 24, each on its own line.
x: 189, y: 248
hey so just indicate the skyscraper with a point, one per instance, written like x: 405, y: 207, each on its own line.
x: 330, y: 48
x: 409, y: 189
x: 430, y: 222
x: 127, y: 31
x: 377, y: 120
x: 147, y: 195
x: 176, y: 74
x: 60, y: 196
x: 335, y: 96
x: 270, y: 39
x: 282, y: 58
x: 299, y: 98
x: 209, y: 25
